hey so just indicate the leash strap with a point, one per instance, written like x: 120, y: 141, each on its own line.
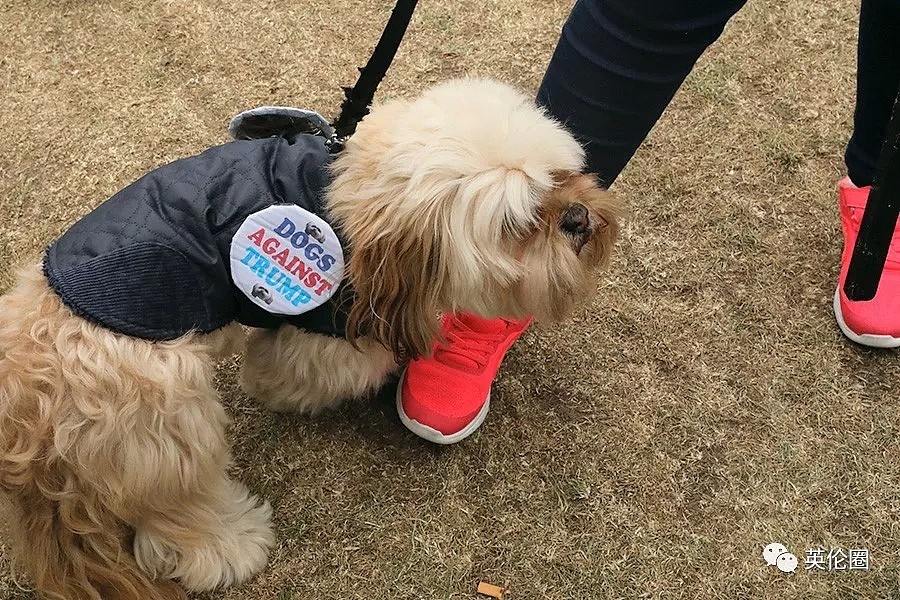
x: 359, y: 97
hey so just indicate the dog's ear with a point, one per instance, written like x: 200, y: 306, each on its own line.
x: 396, y: 278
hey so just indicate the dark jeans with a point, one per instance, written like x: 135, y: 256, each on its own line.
x: 619, y: 63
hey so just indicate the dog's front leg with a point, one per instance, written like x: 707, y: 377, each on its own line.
x: 291, y: 370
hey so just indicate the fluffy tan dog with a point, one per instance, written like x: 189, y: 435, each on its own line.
x: 113, y: 452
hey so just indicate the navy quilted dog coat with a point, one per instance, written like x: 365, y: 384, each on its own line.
x: 233, y: 234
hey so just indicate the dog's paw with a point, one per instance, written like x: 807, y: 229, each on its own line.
x: 231, y: 551
x: 155, y: 555
x: 236, y: 552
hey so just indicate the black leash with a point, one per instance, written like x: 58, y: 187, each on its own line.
x: 358, y: 98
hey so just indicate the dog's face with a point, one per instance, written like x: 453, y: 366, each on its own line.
x: 467, y: 199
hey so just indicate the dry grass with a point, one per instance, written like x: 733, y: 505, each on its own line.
x: 705, y: 406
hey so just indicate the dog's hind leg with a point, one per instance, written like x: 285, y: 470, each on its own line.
x: 291, y: 370
x: 113, y: 456
x: 191, y: 522
x: 194, y: 524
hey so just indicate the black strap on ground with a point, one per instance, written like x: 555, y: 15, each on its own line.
x: 879, y: 219
x: 359, y: 97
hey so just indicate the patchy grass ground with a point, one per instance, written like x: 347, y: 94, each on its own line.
x: 703, y: 407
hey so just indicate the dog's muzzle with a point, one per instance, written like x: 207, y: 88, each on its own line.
x: 576, y: 222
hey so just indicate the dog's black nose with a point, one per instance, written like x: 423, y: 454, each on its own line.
x: 575, y: 220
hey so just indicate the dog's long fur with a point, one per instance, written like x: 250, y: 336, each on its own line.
x: 443, y: 196
x: 113, y: 450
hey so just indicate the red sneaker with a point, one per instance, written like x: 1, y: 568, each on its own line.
x: 875, y: 322
x: 445, y: 398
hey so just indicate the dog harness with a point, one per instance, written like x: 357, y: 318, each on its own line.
x: 237, y: 233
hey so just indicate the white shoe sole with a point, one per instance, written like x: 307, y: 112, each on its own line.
x: 865, y: 339
x: 433, y: 435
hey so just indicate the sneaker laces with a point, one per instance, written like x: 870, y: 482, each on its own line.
x: 468, y: 349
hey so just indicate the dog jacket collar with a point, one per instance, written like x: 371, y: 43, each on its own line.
x: 268, y: 121
x: 237, y: 233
